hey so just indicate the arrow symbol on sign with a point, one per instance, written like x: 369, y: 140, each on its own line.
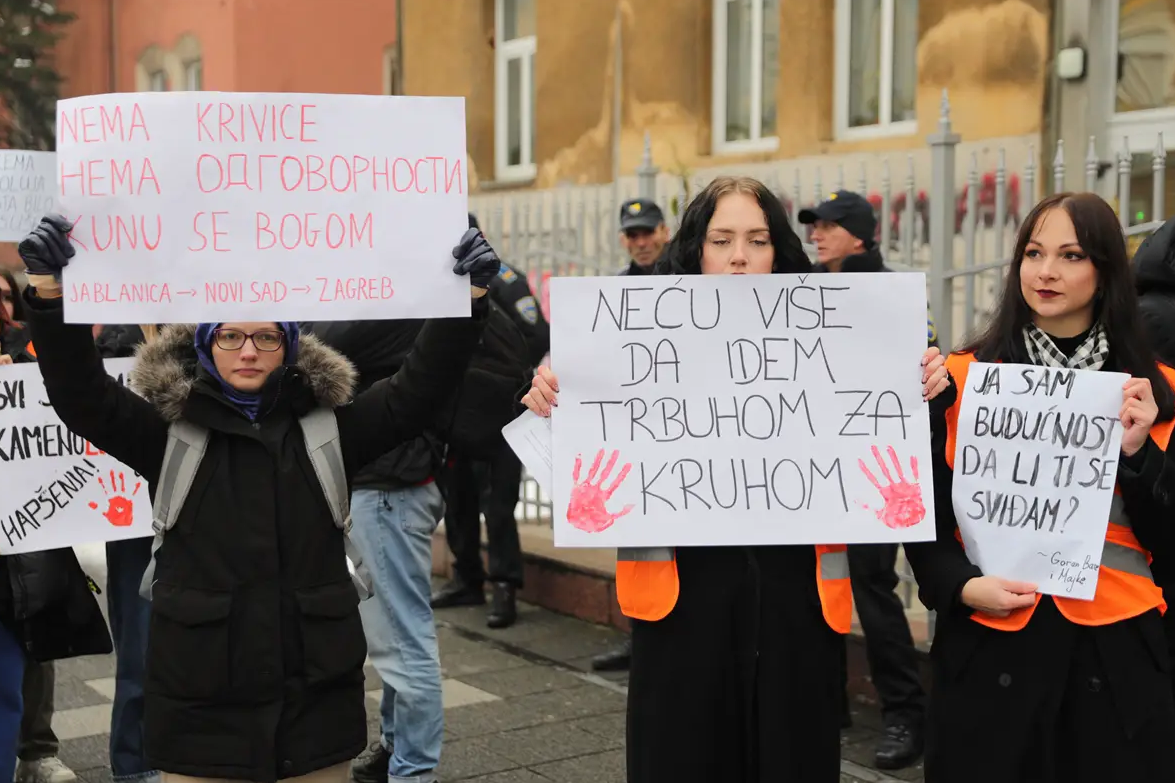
x: 302, y: 289
x: 187, y: 293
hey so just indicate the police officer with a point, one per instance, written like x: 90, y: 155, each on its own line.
x: 643, y: 234
x: 844, y: 229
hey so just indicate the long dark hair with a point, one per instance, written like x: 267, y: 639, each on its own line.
x: 17, y: 301
x: 683, y: 254
x: 1100, y: 236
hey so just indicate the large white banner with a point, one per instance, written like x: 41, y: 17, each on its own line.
x: 205, y: 206
x: 1036, y: 460
x: 730, y: 410
x: 28, y: 191
x: 56, y: 488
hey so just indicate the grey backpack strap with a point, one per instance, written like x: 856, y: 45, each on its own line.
x: 320, y: 429
x: 186, y: 444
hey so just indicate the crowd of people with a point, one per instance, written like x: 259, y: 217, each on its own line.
x: 241, y: 634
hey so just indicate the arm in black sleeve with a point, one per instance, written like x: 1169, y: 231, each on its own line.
x: 1147, y: 483
x: 87, y: 400
x: 401, y: 407
x: 941, y: 567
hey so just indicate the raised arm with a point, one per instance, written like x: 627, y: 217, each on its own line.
x: 87, y: 400
x: 401, y: 407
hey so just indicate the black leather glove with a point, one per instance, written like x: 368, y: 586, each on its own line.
x: 46, y: 249
x: 476, y: 258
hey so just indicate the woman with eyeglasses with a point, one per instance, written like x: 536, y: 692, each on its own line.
x: 255, y: 649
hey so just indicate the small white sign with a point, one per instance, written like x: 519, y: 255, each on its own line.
x: 740, y: 410
x: 530, y: 437
x: 28, y: 188
x: 58, y: 490
x: 1035, y: 464
x: 208, y: 206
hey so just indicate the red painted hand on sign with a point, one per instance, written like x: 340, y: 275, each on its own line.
x: 587, y: 510
x: 120, y: 510
x: 903, y: 499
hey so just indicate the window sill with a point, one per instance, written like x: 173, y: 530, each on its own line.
x: 904, y: 128
x: 509, y: 182
x: 767, y: 144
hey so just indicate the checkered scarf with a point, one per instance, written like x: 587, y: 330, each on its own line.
x: 1090, y: 355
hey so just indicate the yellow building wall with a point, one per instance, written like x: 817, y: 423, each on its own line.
x: 990, y: 54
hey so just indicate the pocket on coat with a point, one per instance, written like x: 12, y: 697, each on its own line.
x: 188, y: 642
x: 333, y: 644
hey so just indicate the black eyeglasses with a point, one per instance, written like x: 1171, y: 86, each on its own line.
x: 268, y: 340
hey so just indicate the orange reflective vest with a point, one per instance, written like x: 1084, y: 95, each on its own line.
x: 647, y: 585
x: 1125, y: 586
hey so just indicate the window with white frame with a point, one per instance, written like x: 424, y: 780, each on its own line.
x: 194, y: 75
x: 876, y: 67
x: 157, y: 81
x: 514, y: 48
x: 745, y: 74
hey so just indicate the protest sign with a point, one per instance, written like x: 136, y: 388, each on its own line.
x: 1036, y: 460
x: 253, y: 206
x: 733, y: 410
x: 58, y: 490
x: 28, y: 190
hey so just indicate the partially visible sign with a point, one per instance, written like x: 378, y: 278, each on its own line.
x: 56, y: 488
x: 28, y: 187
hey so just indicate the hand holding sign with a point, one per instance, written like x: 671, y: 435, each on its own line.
x: 47, y: 249
x: 998, y: 597
x: 1138, y: 414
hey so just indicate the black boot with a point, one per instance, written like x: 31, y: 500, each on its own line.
x: 616, y: 660
x: 901, y: 746
x: 456, y: 592
x: 502, y: 612
x: 371, y: 766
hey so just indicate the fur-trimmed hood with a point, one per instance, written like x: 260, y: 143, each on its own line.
x: 166, y: 369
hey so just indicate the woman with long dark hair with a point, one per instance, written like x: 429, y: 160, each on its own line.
x: 1027, y: 688
x: 736, y: 651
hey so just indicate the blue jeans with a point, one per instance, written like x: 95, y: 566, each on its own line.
x: 129, y: 618
x: 11, y: 700
x: 393, y: 533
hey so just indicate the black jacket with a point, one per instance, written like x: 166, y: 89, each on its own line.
x: 1154, y: 275
x: 512, y: 293
x: 256, y: 650
x: 985, y: 676
x: 871, y: 261
x: 377, y: 349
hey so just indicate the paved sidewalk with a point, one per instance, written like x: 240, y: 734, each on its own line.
x: 521, y: 704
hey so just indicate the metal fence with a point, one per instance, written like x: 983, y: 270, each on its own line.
x: 960, y: 238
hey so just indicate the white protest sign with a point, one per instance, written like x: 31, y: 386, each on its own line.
x: 1036, y: 460
x: 738, y: 410
x: 28, y: 191
x: 56, y: 488
x: 204, y: 206
x: 529, y: 437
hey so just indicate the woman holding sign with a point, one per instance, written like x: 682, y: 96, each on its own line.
x: 736, y: 651
x: 1059, y: 689
x: 255, y: 652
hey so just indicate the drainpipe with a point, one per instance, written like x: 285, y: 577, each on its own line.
x: 113, y: 36
x: 400, y: 45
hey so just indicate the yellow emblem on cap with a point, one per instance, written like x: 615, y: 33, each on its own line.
x: 832, y: 197
x: 634, y: 208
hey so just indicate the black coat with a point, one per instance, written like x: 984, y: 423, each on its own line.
x: 1154, y: 275
x: 256, y: 650
x: 1114, y: 679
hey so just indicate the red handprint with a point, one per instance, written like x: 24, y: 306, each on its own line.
x: 903, y: 500
x: 121, y: 509
x: 586, y: 510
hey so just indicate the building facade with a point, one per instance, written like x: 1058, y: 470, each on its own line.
x: 564, y: 93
